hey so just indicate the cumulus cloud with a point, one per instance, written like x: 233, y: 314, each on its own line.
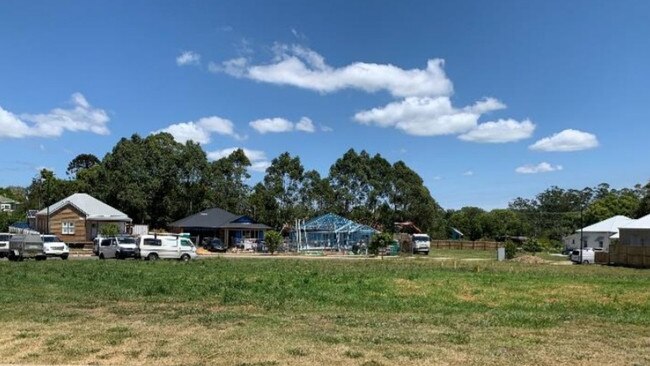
x: 201, y: 130
x: 542, y: 167
x: 306, y: 125
x: 428, y: 116
x: 500, y: 131
x: 259, y: 161
x: 188, y: 58
x: 278, y: 125
x: 82, y: 116
x: 304, y: 68
x: 567, y: 140
x: 468, y: 173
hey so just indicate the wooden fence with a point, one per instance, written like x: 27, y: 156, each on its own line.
x: 464, y: 244
x: 626, y: 255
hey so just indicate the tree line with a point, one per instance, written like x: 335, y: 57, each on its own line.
x: 156, y: 180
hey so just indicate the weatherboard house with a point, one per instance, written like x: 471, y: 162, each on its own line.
x: 219, y: 223
x: 598, y: 235
x: 79, y: 218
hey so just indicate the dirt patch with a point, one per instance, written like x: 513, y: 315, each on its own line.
x: 530, y: 259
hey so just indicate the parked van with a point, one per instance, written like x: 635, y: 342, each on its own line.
x: 120, y: 247
x: 588, y: 256
x: 98, y: 239
x: 54, y: 247
x: 421, y: 243
x: 23, y: 246
x: 4, y: 244
x: 153, y: 247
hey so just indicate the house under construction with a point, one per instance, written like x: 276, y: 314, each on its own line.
x: 329, y: 232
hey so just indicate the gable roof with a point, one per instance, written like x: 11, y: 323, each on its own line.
x: 212, y: 218
x: 93, y: 208
x: 610, y: 225
x: 4, y: 199
x: 642, y: 223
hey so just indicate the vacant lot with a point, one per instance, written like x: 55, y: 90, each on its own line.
x: 301, y: 312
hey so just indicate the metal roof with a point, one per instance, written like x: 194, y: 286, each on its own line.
x: 216, y: 218
x: 610, y: 225
x: 4, y: 199
x: 642, y: 223
x: 93, y: 208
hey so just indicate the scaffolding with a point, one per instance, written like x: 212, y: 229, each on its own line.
x: 329, y: 232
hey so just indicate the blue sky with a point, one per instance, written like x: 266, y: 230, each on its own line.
x: 530, y: 94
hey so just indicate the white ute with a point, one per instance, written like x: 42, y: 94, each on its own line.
x: 153, y: 247
x: 54, y: 247
x: 421, y: 243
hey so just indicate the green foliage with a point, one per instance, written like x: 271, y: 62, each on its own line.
x: 81, y: 162
x: 379, y: 242
x: 109, y: 230
x: 532, y: 246
x: 511, y: 249
x: 273, y: 240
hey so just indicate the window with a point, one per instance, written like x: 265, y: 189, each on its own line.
x: 155, y: 242
x: 106, y: 243
x: 67, y: 228
x: 5, y: 207
x: 186, y: 243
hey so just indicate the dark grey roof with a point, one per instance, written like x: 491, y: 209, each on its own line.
x: 212, y: 218
x: 244, y: 226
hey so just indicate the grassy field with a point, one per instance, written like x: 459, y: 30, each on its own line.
x: 323, y: 311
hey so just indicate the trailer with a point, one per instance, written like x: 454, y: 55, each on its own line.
x: 23, y: 246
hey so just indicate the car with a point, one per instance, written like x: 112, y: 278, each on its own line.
x: 215, y: 245
x: 55, y: 247
x: 587, y: 256
x: 421, y: 243
x: 4, y: 244
x: 119, y: 247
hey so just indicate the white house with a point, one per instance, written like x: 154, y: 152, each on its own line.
x: 598, y: 235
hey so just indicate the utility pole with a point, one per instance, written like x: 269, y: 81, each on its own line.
x: 581, y: 226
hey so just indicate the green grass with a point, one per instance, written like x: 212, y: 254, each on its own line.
x: 319, y: 311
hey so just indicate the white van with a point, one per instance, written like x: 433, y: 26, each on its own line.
x: 119, y: 247
x: 421, y: 243
x: 4, y: 244
x: 153, y: 247
x: 54, y: 247
x: 588, y: 256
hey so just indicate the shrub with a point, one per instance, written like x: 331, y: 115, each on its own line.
x: 511, y: 249
x: 273, y: 240
x: 379, y: 241
x: 532, y: 246
x: 109, y: 230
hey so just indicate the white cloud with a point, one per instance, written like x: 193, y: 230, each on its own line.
x: 201, y: 130
x: 503, y: 130
x: 278, y: 125
x: 428, y: 116
x: 543, y: 167
x: 188, y: 58
x: 468, y: 173
x: 567, y: 140
x: 81, y: 117
x: 258, y: 159
x: 326, y: 128
x: 301, y: 67
x: 306, y: 125
x: 273, y: 125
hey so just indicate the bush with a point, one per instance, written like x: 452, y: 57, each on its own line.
x: 532, y: 246
x: 511, y: 249
x: 109, y: 230
x: 273, y: 240
x: 379, y: 241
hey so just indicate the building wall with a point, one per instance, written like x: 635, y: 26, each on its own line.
x: 635, y: 237
x: 594, y: 240
x: 66, y: 214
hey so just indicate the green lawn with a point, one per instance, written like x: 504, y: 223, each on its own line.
x: 323, y: 311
